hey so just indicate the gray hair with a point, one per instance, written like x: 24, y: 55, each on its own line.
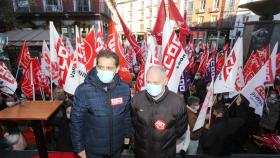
x: 160, y: 68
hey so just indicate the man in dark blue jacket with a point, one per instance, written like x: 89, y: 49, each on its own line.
x: 100, y: 116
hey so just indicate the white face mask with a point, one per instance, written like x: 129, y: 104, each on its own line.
x: 10, y: 103
x: 68, y: 115
x: 196, y: 108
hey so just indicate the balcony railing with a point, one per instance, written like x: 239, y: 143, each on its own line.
x: 54, y: 8
x: 213, y: 10
x: 199, y: 11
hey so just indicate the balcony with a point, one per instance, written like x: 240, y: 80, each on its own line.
x: 54, y: 8
x: 213, y: 10
x: 200, y: 11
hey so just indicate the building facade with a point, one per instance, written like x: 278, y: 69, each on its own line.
x: 65, y: 14
x: 212, y: 20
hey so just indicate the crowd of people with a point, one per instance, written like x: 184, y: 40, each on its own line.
x: 102, y: 118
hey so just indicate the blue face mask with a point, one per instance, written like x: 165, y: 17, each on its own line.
x: 154, y: 89
x: 105, y: 76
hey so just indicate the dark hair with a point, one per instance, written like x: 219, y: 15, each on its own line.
x: 221, y: 108
x: 192, y: 100
x: 108, y: 54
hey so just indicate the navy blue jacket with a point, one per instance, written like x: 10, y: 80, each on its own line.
x: 100, y: 116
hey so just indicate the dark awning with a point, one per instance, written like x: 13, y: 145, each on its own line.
x: 33, y: 37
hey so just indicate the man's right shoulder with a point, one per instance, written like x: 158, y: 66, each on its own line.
x: 82, y: 88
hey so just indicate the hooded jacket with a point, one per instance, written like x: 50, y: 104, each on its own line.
x: 100, y: 116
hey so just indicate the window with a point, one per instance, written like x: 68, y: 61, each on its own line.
x: 216, y: 4
x: 21, y: 5
x: 53, y: 5
x: 200, y: 20
x: 82, y: 5
x: 202, y: 5
x: 213, y: 20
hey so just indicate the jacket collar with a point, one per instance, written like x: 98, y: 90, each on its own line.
x: 93, y: 79
x: 158, y: 100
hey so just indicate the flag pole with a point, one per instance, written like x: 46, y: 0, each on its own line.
x: 20, y: 60
x: 51, y: 80
x: 32, y: 83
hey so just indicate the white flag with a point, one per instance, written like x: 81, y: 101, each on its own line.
x: 174, y: 58
x: 271, y: 67
x: 208, y: 102
x: 254, y: 90
x: 226, y: 80
x: 8, y: 83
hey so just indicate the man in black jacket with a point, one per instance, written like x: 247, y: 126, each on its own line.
x: 100, y: 117
x: 159, y: 117
x: 218, y: 139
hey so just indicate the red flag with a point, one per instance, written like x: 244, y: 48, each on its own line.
x: 278, y: 64
x: 34, y: 76
x: 174, y: 13
x: 191, y: 54
x: 114, y: 45
x: 88, y: 52
x: 203, y: 61
x: 220, y: 62
x: 129, y: 36
x: 99, y: 45
x: 140, y: 82
x: 161, y: 18
x: 256, y: 60
x: 24, y: 57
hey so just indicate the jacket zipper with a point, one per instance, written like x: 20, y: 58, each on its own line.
x: 110, y: 122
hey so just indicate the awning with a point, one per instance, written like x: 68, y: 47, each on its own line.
x: 33, y: 37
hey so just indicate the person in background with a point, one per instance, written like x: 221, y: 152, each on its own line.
x: 271, y: 113
x: 192, y: 112
x: 218, y: 139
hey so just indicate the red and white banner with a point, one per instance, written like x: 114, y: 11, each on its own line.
x: 114, y: 45
x: 254, y: 90
x: 271, y: 67
x: 46, y: 62
x: 58, y: 53
x: 208, y: 102
x: 225, y: 82
x: 8, y: 83
x: 174, y: 58
x: 82, y: 62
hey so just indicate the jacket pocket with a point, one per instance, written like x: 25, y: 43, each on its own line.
x: 98, y: 111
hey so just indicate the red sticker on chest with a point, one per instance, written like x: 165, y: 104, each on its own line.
x: 160, y: 125
x: 117, y: 101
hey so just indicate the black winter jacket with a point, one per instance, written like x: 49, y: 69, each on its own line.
x: 100, y: 116
x: 157, y: 124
